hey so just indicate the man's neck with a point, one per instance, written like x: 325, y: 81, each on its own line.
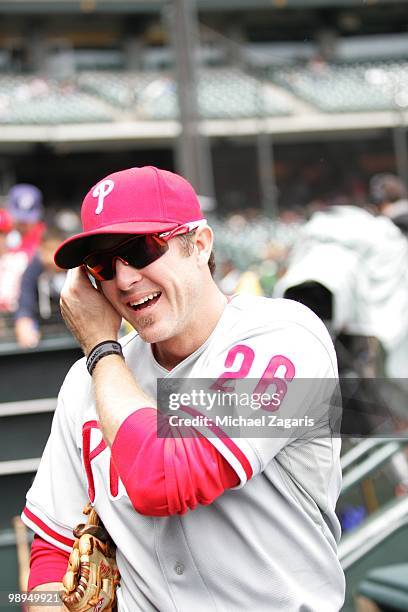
x: 173, y: 351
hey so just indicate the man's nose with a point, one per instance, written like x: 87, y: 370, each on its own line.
x: 126, y: 275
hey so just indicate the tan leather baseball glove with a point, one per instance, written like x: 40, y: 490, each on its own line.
x: 92, y: 575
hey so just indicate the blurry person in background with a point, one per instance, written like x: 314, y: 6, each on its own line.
x: 6, y: 225
x: 389, y: 194
x: 40, y: 289
x: 12, y: 266
x: 350, y: 267
x: 228, y: 276
x: 25, y: 205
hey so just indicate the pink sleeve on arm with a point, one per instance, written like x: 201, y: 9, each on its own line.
x: 47, y: 563
x: 168, y: 475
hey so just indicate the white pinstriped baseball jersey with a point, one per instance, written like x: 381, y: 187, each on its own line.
x: 268, y: 544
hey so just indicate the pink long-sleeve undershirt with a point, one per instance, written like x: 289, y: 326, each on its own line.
x: 164, y: 473
x: 48, y: 563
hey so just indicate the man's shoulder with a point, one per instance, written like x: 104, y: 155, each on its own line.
x: 264, y: 312
x: 278, y: 324
x: 77, y: 376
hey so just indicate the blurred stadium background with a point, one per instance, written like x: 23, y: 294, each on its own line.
x: 273, y: 109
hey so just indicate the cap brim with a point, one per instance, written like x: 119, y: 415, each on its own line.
x: 71, y: 253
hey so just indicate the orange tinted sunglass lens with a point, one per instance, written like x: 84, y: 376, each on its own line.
x: 96, y: 272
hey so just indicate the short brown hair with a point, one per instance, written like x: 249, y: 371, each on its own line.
x: 186, y: 241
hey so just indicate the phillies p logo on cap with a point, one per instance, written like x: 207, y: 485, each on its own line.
x: 102, y: 190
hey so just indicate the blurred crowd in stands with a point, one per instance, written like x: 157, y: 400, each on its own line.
x: 30, y: 282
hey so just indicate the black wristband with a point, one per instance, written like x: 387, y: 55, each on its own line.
x: 107, y: 347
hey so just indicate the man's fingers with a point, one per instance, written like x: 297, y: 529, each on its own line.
x: 76, y: 282
x: 68, y: 282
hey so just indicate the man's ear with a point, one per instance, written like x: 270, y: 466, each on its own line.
x: 204, y: 239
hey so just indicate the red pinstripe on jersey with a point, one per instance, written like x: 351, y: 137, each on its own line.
x: 47, y: 529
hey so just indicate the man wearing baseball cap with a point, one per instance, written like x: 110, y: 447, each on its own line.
x: 201, y: 519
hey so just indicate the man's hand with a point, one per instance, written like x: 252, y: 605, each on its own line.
x: 27, y: 333
x: 50, y: 587
x: 87, y: 313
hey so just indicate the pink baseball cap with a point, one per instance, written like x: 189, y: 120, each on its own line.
x: 144, y: 200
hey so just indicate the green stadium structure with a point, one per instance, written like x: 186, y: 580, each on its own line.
x: 358, y: 87
x: 99, y: 96
x: 36, y: 101
x: 301, y: 92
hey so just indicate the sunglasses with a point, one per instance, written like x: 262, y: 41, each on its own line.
x: 138, y: 252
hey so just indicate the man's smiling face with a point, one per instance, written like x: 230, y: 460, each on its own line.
x: 161, y: 299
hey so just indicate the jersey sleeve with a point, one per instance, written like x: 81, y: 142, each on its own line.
x: 290, y: 364
x: 55, y: 501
